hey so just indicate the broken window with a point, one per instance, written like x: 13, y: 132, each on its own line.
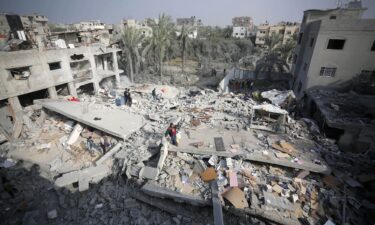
x: 54, y: 65
x: 289, y: 32
x: 328, y: 71
x: 336, y: 44
x: 373, y: 46
x: 312, y: 42
x: 77, y: 56
x: 332, y: 17
x: 300, y: 38
x: 21, y: 73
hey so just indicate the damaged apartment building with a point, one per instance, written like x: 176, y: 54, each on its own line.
x: 42, y: 71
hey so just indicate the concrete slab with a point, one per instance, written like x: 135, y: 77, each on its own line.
x: 157, y: 191
x: 112, y: 121
x: 149, y: 173
x: 272, y: 200
x: 109, y: 154
x: 244, y: 138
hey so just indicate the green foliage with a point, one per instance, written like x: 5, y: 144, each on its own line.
x: 131, y: 42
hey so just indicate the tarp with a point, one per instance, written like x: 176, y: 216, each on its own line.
x: 270, y: 108
x: 278, y: 97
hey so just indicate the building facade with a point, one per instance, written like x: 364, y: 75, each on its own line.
x: 192, y: 24
x: 242, y: 27
x: 142, y: 26
x: 285, y: 30
x: 36, y: 71
x: 334, y: 46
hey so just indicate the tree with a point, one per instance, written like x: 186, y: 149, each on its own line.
x: 272, y: 42
x: 131, y: 41
x: 286, y: 50
x: 161, y: 39
x: 270, y: 63
x: 184, y: 39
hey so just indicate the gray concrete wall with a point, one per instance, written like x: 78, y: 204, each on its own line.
x: 41, y: 76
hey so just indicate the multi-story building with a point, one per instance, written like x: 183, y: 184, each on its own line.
x: 139, y: 25
x: 192, y: 24
x: 242, y: 27
x: 36, y: 26
x: 333, y: 47
x: 262, y: 33
x: 37, y: 74
x: 285, y: 30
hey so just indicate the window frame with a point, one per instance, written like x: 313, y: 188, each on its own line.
x: 59, y: 63
x: 340, y: 39
x: 324, y: 71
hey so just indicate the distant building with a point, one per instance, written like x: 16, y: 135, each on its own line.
x: 32, y: 29
x: 333, y: 47
x: 242, y: 27
x: 142, y: 26
x: 192, y: 24
x: 90, y: 25
x: 285, y: 29
x: 262, y: 33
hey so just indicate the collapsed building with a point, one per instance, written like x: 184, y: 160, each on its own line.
x: 239, y: 159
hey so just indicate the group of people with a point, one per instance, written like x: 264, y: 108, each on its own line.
x: 236, y: 85
x: 127, y: 97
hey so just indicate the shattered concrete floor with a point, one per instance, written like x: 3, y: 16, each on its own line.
x: 298, y: 177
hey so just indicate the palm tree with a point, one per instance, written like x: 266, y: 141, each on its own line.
x: 131, y: 41
x: 161, y: 39
x: 270, y: 63
x: 184, y: 39
x: 273, y: 41
x: 286, y: 50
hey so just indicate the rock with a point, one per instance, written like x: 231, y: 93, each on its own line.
x: 52, y: 214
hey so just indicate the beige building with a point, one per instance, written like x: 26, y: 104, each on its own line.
x: 192, y: 24
x: 333, y: 47
x: 285, y: 29
x: 262, y: 33
x: 139, y: 25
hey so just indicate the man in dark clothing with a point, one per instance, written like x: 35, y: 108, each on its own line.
x: 126, y: 96
x: 130, y: 100
x: 154, y: 93
x: 172, y: 133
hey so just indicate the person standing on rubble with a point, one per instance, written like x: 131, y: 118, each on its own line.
x: 130, y: 100
x: 153, y: 93
x: 126, y: 96
x: 172, y: 133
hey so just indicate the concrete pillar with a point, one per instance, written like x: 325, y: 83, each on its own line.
x: 115, y: 66
x: 15, y: 104
x: 95, y: 77
x: 52, y: 92
x: 72, y: 89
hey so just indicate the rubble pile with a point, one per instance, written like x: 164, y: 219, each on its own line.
x: 248, y: 157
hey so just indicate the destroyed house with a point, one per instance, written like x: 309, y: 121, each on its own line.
x: 347, y: 117
x: 40, y: 74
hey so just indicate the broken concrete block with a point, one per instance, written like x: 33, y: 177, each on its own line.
x: 74, y: 135
x: 199, y: 166
x: 209, y: 174
x: 83, y: 184
x: 303, y: 174
x: 295, y: 198
x: 52, y: 214
x: 149, y: 173
x: 276, y: 188
x: 236, y: 197
x: 233, y: 179
x: 172, y: 171
x: 213, y: 160
x: 109, y: 154
x: 279, y: 202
